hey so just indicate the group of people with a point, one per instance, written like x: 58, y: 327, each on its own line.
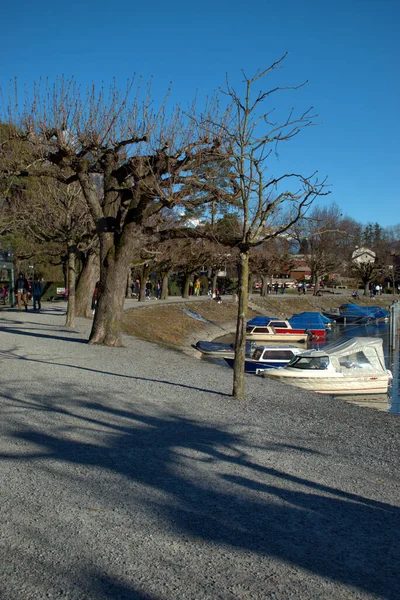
x: 302, y: 288
x: 23, y: 289
x: 150, y: 289
x: 276, y: 288
x: 376, y: 290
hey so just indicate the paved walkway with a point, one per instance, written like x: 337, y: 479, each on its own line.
x: 131, y: 473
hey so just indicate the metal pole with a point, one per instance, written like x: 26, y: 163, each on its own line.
x: 394, y: 314
x: 11, y: 287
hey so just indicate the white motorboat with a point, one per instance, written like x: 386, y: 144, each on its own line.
x: 355, y: 366
x: 267, y: 357
x: 275, y: 331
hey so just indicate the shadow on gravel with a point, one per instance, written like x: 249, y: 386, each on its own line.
x: 107, y: 588
x: 214, y: 489
x: 25, y: 332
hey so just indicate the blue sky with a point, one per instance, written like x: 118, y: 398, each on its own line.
x: 349, y: 51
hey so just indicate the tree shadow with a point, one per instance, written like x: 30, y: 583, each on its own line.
x: 35, y: 334
x: 107, y: 588
x: 216, y: 487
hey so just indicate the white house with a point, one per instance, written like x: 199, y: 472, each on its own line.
x: 363, y: 255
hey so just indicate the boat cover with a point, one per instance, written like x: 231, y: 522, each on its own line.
x: 261, y: 321
x: 309, y: 320
x: 220, y: 348
x: 371, y: 312
x: 209, y: 347
x: 304, y: 320
x: 354, y: 349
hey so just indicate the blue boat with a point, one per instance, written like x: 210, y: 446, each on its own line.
x: 353, y: 313
x: 310, y: 322
x: 220, y: 349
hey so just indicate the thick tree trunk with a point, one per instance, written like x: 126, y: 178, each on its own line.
x: 110, y: 305
x: 71, y: 253
x: 240, y: 341
x: 115, y: 262
x: 90, y: 274
x: 164, y: 288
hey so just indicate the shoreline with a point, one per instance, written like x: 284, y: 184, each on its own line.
x: 162, y: 322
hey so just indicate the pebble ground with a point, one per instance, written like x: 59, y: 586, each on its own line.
x: 131, y: 473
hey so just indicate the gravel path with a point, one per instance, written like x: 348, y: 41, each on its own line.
x: 131, y: 473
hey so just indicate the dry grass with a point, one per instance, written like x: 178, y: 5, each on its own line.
x: 168, y: 325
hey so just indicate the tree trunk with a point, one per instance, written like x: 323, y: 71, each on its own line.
x: 142, y: 291
x: 214, y: 284
x: 186, y: 286
x: 116, y: 257
x: 264, y: 285
x: 71, y: 253
x: 144, y: 273
x: 164, y: 289
x: 240, y: 342
x: 128, y: 285
x: 110, y: 305
x: 87, y: 281
x: 316, y: 284
x: 252, y: 278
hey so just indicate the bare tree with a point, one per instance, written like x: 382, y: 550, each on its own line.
x: 328, y: 240
x: 270, y: 258
x: 88, y: 277
x: 268, y: 205
x: 47, y: 211
x: 146, y: 162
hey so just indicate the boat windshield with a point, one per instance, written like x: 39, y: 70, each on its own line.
x: 357, y: 360
x: 319, y: 363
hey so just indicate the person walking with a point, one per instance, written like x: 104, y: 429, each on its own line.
x: 148, y: 289
x: 37, y: 293
x: 95, y: 296
x: 22, y: 289
x: 197, y: 287
x: 4, y: 294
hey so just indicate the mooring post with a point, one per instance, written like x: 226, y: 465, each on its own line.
x: 393, y: 318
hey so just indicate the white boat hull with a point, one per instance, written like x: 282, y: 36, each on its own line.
x: 338, y: 385
x: 288, y: 338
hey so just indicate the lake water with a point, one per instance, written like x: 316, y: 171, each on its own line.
x: 391, y: 402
